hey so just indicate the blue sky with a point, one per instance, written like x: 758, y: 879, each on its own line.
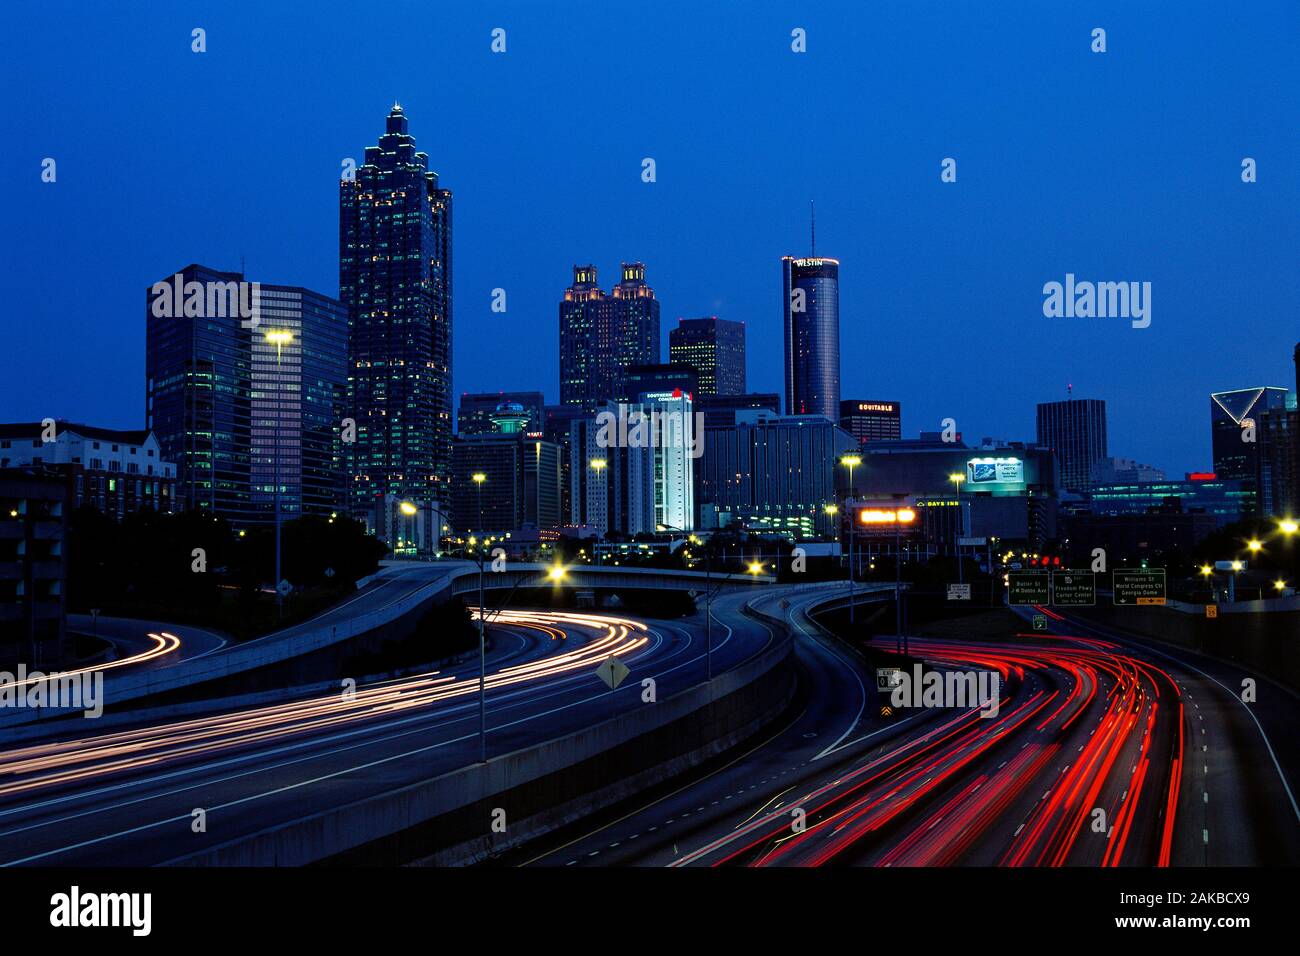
x: 1116, y: 166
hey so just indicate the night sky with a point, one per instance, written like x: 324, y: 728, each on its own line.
x: 1115, y: 167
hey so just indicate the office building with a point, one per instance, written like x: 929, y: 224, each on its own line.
x: 602, y: 335
x: 871, y: 420
x: 1113, y: 471
x: 659, y: 378
x: 298, y: 393
x: 239, y: 374
x: 672, y: 423
x: 520, y: 486
x: 771, y: 473
x: 720, y: 410
x: 395, y: 279
x: 811, y: 305
x: 476, y: 411
x: 715, y: 348
x: 1276, y: 474
x: 1225, y: 500
x: 1076, y: 430
x: 115, y: 471
x: 1233, y: 429
x: 612, y: 484
x: 34, y: 506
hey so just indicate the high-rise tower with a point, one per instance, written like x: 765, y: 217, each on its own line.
x: 395, y: 279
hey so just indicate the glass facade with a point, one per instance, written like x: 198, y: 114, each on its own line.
x: 198, y: 394
x: 715, y: 348
x: 601, y: 336
x: 395, y: 280
x: 221, y: 402
x: 298, y: 395
x: 1076, y: 430
x: 811, y: 303
x: 1226, y: 500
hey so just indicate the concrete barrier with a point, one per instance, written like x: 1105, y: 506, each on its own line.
x: 446, y: 820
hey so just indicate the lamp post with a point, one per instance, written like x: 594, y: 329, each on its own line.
x: 957, y: 478
x: 479, y: 478
x: 598, y: 465
x: 851, y: 462
x: 279, y: 338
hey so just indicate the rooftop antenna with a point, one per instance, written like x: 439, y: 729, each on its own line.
x: 1069, y: 390
x: 813, y: 208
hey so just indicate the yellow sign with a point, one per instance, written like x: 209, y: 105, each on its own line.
x: 1150, y: 600
x: 1211, y: 610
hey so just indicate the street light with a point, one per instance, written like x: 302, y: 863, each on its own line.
x: 279, y: 338
x: 756, y: 567
x: 1254, y: 544
x: 1288, y: 527
x: 851, y: 462
x: 556, y: 573
x: 478, y: 478
x: 957, y: 478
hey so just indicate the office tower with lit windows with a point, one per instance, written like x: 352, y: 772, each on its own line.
x: 225, y: 395
x: 1076, y: 430
x: 298, y: 394
x: 716, y: 348
x: 1239, y: 418
x: 871, y: 420
x: 612, y: 487
x: 395, y: 242
x: 602, y: 335
x: 811, y: 306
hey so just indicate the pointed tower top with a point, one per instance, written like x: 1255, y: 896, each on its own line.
x: 812, y: 206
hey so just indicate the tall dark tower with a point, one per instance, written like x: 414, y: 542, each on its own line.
x: 811, y: 303
x: 1076, y: 430
x: 602, y: 335
x: 395, y: 279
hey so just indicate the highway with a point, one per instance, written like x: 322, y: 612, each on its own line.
x: 127, y: 796
x: 1103, y: 752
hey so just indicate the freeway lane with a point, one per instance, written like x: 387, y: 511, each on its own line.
x: 127, y: 797
x: 1098, y: 756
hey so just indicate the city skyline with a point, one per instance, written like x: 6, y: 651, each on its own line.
x: 900, y: 294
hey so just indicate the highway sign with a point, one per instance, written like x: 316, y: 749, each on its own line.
x: 1029, y: 587
x: 329, y: 572
x: 1211, y: 611
x: 284, y: 587
x: 1138, y: 585
x: 1074, y: 588
x: 1040, y: 622
x: 972, y: 542
x: 612, y: 671
x: 887, y: 678
x: 959, y: 592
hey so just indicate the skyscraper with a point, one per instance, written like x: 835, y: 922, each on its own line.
x: 602, y: 335
x: 298, y: 394
x: 395, y: 280
x: 870, y: 420
x: 1076, y: 430
x: 236, y: 372
x: 1233, y: 435
x: 716, y: 348
x: 811, y: 304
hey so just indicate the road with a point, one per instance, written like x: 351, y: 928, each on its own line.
x: 128, y: 796
x: 1103, y: 752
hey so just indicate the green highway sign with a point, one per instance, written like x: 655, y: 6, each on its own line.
x: 1138, y: 585
x: 1074, y: 588
x: 1029, y: 587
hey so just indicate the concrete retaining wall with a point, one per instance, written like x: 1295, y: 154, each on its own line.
x: 447, y: 819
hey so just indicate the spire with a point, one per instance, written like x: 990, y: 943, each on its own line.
x: 812, y: 206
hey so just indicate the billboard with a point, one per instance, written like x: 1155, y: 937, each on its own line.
x: 986, y: 472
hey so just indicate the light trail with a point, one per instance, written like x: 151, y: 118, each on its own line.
x: 44, y: 765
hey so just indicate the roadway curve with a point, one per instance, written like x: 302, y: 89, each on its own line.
x: 127, y: 796
x: 1088, y: 721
